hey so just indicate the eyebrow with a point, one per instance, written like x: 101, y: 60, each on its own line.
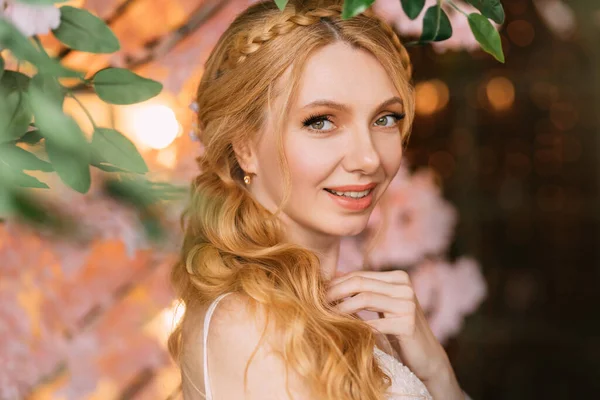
x: 343, y: 107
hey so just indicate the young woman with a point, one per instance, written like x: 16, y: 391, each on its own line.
x: 303, y: 117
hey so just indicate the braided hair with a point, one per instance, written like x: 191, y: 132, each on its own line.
x: 246, y: 43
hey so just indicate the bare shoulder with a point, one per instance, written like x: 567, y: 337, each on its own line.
x: 233, y: 336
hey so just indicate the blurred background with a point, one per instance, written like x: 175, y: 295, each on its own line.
x: 503, y: 154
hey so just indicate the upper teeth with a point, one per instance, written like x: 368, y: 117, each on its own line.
x: 356, y: 195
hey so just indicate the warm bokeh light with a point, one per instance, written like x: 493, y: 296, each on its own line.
x: 518, y: 165
x: 563, y: 115
x: 543, y: 94
x: 431, y: 96
x: 163, y: 324
x: 520, y: 32
x: 167, y: 157
x: 500, y: 93
x: 154, y: 125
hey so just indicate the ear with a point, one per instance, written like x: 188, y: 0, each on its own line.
x: 246, y: 157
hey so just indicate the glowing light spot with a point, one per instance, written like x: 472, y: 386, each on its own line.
x: 167, y: 157
x: 161, y: 326
x: 431, y: 96
x: 520, y: 32
x: 500, y: 93
x: 154, y: 125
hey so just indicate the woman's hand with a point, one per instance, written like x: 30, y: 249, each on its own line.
x: 391, y: 293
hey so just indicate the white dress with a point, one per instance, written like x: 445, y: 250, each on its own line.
x: 405, y: 384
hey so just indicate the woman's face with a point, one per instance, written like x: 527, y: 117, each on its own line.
x: 342, y: 135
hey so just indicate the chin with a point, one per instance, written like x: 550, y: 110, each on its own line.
x: 347, y: 226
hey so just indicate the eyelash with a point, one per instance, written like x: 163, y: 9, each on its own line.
x: 324, y: 117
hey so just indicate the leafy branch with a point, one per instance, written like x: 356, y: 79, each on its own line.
x: 32, y: 113
x: 436, y: 23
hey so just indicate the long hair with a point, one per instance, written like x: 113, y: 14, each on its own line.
x: 233, y: 244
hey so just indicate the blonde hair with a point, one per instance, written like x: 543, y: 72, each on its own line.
x: 233, y: 244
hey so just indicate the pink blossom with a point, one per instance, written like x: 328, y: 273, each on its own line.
x: 414, y: 221
x: 448, y: 293
x: 558, y: 15
x: 30, y: 19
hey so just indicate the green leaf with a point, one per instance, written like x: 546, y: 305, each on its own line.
x: 1, y: 66
x: 21, y: 159
x: 50, y: 86
x: 354, y: 7
x: 81, y: 30
x: 136, y: 191
x: 11, y: 38
x: 489, y: 8
x: 121, y: 86
x: 111, y: 147
x: 15, y: 81
x: 66, y: 145
x: 412, y: 8
x: 72, y: 169
x: 6, y: 201
x: 153, y: 228
x: 281, y: 4
x: 52, y: 121
x: 22, y: 203
x: 32, y: 137
x: 487, y: 36
x: 107, y: 167
x: 13, y: 160
x: 15, y: 114
x: 436, y: 25
x: 18, y: 178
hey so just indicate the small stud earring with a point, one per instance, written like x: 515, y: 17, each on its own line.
x: 247, y: 179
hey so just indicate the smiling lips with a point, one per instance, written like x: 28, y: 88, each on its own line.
x: 352, y: 197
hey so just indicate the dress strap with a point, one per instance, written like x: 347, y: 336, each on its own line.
x: 209, y: 313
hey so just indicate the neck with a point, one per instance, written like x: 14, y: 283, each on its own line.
x: 326, y: 247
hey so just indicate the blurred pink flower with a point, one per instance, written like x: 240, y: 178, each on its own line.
x: 558, y: 15
x: 462, y: 37
x: 98, y: 216
x: 30, y: 19
x: 417, y: 221
x: 448, y: 293
x: 29, y: 348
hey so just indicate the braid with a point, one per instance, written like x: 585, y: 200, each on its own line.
x: 286, y: 21
x: 404, y: 57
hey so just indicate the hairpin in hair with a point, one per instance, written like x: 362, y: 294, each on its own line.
x: 193, y: 133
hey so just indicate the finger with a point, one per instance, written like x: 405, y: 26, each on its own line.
x: 376, y: 302
x: 401, y: 326
x: 359, y: 284
x: 395, y: 276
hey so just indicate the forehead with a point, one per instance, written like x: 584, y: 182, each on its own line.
x: 342, y: 73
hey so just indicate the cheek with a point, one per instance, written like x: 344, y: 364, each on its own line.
x: 310, y: 160
x: 390, y: 153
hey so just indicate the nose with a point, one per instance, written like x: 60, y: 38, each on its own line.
x: 362, y: 155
